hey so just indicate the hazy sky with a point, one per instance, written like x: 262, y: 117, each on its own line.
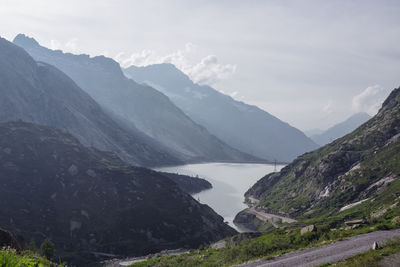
x: 310, y: 63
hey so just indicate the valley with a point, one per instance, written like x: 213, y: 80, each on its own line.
x: 199, y: 133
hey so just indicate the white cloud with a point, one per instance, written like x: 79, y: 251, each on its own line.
x: 328, y: 107
x: 55, y: 45
x: 70, y: 46
x: 208, y: 71
x: 369, y: 100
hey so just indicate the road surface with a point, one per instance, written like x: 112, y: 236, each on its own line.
x: 328, y: 253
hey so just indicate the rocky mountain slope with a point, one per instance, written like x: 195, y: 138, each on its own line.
x: 242, y: 126
x: 148, y: 109
x: 361, y: 166
x: 37, y: 92
x: 340, y: 129
x: 90, y: 202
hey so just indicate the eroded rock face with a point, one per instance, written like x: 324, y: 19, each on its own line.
x: 121, y: 210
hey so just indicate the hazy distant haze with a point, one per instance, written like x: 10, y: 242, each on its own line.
x: 310, y: 63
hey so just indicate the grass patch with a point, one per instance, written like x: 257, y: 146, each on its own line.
x: 10, y: 258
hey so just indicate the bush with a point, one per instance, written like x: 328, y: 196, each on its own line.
x: 47, y: 249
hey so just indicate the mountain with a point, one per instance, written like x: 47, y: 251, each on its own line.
x: 361, y: 166
x: 340, y: 129
x: 242, y: 126
x: 188, y: 184
x: 90, y: 202
x: 312, y: 132
x: 37, y: 92
x: 148, y: 109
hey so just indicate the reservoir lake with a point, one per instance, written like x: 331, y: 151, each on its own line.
x: 229, y: 180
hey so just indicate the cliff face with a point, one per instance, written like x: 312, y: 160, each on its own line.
x: 363, y: 164
x: 88, y: 201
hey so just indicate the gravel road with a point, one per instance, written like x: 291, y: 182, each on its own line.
x: 327, y: 253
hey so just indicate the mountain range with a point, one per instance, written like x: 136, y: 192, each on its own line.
x: 150, y: 111
x: 37, y: 92
x: 242, y: 126
x: 340, y: 129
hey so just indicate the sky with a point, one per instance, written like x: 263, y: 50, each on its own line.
x: 310, y: 63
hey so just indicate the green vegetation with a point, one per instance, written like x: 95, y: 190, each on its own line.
x: 47, y: 249
x: 275, y: 242
x: 370, y: 258
x: 10, y: 258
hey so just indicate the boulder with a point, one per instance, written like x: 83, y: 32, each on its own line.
x: 307, y: 229
x: 354, y: 222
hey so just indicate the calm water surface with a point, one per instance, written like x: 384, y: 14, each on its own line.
x: 230, y: 181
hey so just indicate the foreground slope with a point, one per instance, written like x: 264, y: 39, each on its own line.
x: 363, y: 165
x: 340, y: 129
x: 148, y: 109
x: 90, y: 202
x: 242, y: 126
x: 37, y: 92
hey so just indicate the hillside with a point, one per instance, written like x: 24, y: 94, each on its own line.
x: 148, y: 109
x: 90, y: 202
x: 361, y: 166
x: 37, y: 92
x: 340, y: 129
x: 242, y: 126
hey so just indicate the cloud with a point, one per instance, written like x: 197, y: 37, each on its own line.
x: 70, y: 46
x: 208, y: 71
x: 369, y: 100
x: 328, y: 107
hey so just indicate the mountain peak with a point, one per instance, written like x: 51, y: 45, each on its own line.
x: 22, y: 39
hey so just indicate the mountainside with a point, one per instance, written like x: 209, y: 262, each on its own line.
x: 242, y: 126
x: 188, y: 184
x: 37, y: 92
x: 148, y: 109
x: 363, y: 165
x: 90, y: 202
x: 340, y: 129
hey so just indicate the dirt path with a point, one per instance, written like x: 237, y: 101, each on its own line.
x: 328, y: 253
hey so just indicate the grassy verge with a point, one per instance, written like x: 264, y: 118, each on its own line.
x: 370, y: 258
x: 10, y: 258
x: 275, y: 242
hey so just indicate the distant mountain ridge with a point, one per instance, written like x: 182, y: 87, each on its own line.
x: 242, y: 126
x: 340, y: 129
x: 149, y: 110
x: 37, y: 92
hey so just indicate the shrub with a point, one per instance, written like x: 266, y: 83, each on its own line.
x: 47, y: 249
